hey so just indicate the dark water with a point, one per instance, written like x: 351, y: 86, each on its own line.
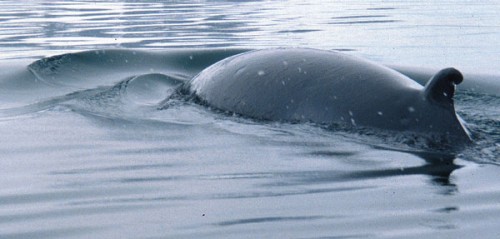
x: 90, y: 148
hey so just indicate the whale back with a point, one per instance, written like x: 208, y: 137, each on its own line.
x: 299, y: 85
x: 291, y: 84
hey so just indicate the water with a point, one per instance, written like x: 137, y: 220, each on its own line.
x: 91, y: 149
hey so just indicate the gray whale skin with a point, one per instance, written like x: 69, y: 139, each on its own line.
x: 329, y: 87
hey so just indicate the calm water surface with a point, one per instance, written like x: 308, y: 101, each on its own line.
x: 89, y: 148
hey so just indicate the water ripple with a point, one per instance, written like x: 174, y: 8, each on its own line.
x: 268, y: 220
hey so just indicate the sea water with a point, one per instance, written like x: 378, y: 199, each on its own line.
x: 93, y: 146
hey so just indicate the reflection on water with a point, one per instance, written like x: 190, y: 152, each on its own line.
x: 69, y: 174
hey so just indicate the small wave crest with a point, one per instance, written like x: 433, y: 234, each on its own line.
x: 482, y: 115
x: 131, y: 96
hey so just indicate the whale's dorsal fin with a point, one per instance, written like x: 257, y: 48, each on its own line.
x: 441, y: 87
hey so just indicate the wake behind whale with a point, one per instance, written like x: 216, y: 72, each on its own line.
x: 326, y: 88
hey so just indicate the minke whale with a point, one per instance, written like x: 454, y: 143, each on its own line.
x: 330, y: 87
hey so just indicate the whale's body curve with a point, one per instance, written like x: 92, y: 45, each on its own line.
x: 326, y: 87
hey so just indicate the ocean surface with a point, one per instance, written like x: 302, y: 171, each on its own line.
x: 93, y: 145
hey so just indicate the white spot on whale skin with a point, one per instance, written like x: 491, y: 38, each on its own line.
x: 353, y: 122
x: 191, y: 57
x: 285, y: 63
x: 299, y: 69
x: 283, y: 82
x: 380, y: 113
x: 261, y: 73
x: 350, y: 113
x: 411, y: 109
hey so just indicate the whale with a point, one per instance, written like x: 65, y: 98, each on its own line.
x: 329, y: 87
